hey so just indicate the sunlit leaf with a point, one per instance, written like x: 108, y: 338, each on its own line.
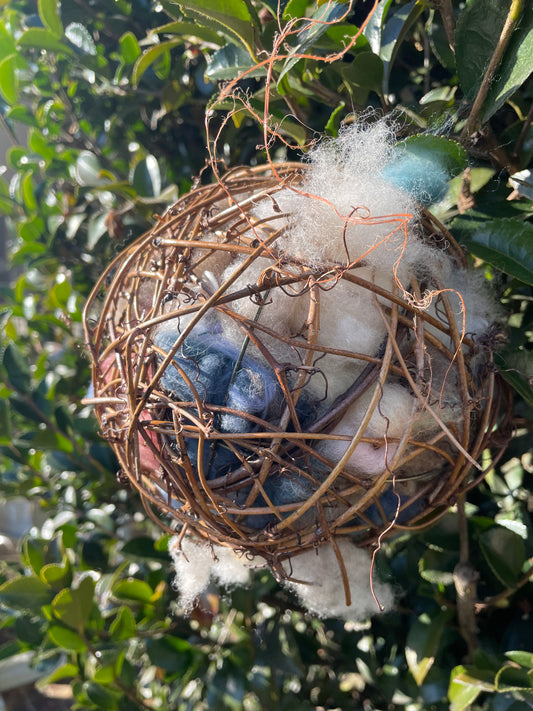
x: 40, y: 38
x: 25, y: 592
x: 8, y: 78
x: 49, y: 13
x: 422, y: 644
x: 80, y: 37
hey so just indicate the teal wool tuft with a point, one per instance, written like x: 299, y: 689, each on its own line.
x: 423, y: 177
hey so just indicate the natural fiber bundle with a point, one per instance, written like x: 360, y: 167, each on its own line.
x: 281, y: 362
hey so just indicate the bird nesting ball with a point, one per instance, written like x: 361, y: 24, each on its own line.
x: 294, y: 362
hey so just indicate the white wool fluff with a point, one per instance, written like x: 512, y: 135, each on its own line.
x: 321, y: 590
x: 391, y: 418
x: 346, y: 174
x: 197, y: 564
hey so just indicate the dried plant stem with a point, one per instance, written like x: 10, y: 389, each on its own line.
x: 510, y: 23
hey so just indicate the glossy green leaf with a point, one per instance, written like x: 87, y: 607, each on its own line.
x: 8, y: 78
x: 423, y: 643
x: 460, y: 694
x: 525, y: 659
x: 40, y: 38
x: 129, y: 48
x: 18, y: 372
x: 317, y: 25
x: 516, y: 65
x: 66, y: 638
x: 504, y: 552
x: 28, y: 194
x: 25, y: 593
x: 512, y: 677
x: 80, y: 37
x: 397, y: 26
x: 88, y: 170
x: 231, y: 61
x: 73, y: 605
x: 57, y: 576
x: 49, y: 13
x: 295, y: 9
x: 506, y: 244
x: 234, y: 18
x: 146, y: 178
x: 150, y: 56
x: 374, y: 27
x: 34, y: 554
x: 133, y: 589
x: 190, y: 31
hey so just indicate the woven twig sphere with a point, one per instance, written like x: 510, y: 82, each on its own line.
x: 226, y: 408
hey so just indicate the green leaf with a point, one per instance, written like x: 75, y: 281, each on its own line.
x: 28, y: 194
x: 150, y: 56
x: 231, y: 17
x: 506, y: 244
x: 466, y: 684
x: 25, y: 593
x: 525, y: 659
x: 516, y: 368
x: 66, y: 638
x: 88, y: 171
x: 373, y: 28
x: 5, y: 421
x: 478, y: 28
x: 511, y: 677
x: 129, y: 48
x: 123, y: 626
x: 190, y: 32
x: 81, y: 38
x: 8, y: 78
x: 516, y: 65
x: 57, y: 576
x: 318, y: 24
x: 133, y: 589
x: 34, y: 554
x: 73, y: 605
x: 145, y: 548
x: 49, y: 14
x: 18, y: 372
x: 450, y: 154
x: 366, y: 71
x: 65, y: 671
x: 146, y: 178
x: 169, y: 653
x: 39, y: 38
x: 394, y: 33
x: 504, y: 552
x: 231, y: 61
x: 422, y: 644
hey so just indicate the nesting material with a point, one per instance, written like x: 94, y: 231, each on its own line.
x: 295, y: 362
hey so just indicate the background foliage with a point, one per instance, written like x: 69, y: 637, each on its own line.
x: 104, y: 105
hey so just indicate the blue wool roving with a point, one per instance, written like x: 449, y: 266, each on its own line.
x: 419, y: 173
